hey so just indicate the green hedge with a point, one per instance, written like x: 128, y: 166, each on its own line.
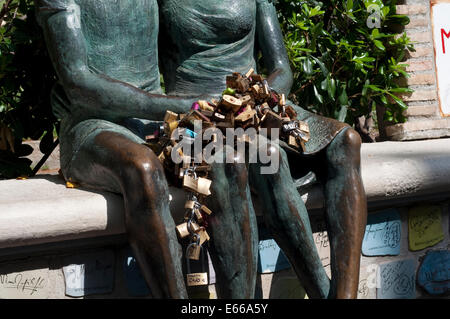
x: 345, y: 64
x: 342, y: 69
x: 26, y: 78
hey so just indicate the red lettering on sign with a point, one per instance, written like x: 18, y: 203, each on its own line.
x: 442, y: 36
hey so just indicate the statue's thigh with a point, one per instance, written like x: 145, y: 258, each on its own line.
x: 92, y: 152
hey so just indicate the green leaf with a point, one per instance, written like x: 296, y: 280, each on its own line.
x: 331, y: 87
x: 399, y: 101
x: 343, y: 98
x: 319, y: 97
x: 342, y: 113
x: 322, y: 66
x: 349, y: 6
x: 307, y: 66
x: 379, y: 45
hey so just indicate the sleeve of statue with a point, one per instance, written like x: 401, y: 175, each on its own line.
x: 46, y: 8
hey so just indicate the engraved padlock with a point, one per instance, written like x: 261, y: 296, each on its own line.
x: 194, y: 249
x: 190, y: 181
x: 203, y: 185
x: 198, y: 278
x: 183, y: 230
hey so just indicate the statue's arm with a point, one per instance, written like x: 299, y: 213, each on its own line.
x: 99, y: 95
x: 270, y: 41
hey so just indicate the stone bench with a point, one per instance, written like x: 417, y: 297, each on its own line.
x: 42, y: 210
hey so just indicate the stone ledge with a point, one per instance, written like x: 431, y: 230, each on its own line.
x: 42, y: 210
x: 430, y: 128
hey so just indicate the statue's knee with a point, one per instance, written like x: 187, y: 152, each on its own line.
x: 146, y: 170
x: 345, y: 149
x: 351, y: 139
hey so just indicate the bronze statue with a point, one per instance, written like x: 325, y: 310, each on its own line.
x: 202, y: 41
x: 108, y: 98
x: 105, y: 55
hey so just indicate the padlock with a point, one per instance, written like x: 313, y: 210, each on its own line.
x: 182, y: 230
x: 192, y: 226
x: 190, y: 204
x: 256, y: 78
x: 203, y: 234
x: 255, y: 90
x: 198, y: 215
x: 193, y: 250
x: 231, y: 103
x: 204, y: 105
x: 203, y: 185
x: 292, y: 141
x: 282, y: 101
x: 303, y: 126
x: 245, y: 116
x: 266, y: 91
x: 199, y: 278
x: 245, y: 99
x: 271, y: 120
x: 242, y: 84
x: 206, y: 210
x: 291, y: 112
x: 218, y: 116
x: 170, y: 117
x: 190, y: 183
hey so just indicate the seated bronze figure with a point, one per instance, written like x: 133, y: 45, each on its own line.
x: 106, y: 56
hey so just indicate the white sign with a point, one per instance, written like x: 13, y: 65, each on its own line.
x: 440, y: 13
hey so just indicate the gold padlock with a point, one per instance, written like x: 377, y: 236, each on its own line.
x: 204, y: 105
x: 303, y: 126
x: 190, y: 183
x: 203, y: 185
x: 170, y: 117
x: 245, y: 116
x: 203, y: 235
x: 182, y: 230
x: 292, y: 141
x: 193, y: 251
x: 206, y: 210
x: 250, y: 72
x: 230, y: 102
x: 282, y: 101
x: 255, y: 90
x: 190, y: 204
x: 197, y: 279
x: 198, y: 215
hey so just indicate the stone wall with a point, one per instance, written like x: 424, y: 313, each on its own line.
x: 106, y: 268
x: 424, y: 119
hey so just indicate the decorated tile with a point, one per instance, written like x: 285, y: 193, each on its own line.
x: 271, y: 257
x: 434, y: 272
x: 383, y: 234
x: 397, y: 280
x: 425, y: 227
x: 88, y: 274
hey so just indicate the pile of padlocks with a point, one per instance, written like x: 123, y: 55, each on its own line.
x: 247, y: 102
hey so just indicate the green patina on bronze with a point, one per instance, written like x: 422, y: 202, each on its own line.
x: 106, y: 56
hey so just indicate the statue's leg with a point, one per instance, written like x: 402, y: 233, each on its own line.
x: 286, y: 217
x: 234, y: 234
x: 346, y: 212
x: 116, y: 162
